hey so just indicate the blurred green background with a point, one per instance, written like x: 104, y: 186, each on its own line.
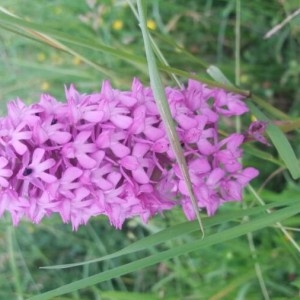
x: 192, y: 35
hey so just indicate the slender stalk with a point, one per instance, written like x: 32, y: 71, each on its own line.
x: 13, y: 265
x: 164, y: 110
x: 237, y: 51
x: 257, y: 267
x: 278, y: 224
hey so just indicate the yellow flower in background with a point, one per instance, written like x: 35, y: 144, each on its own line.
x: 151, y: 24
x: 41, y: 57
x: 253, y: 118
x: 45, y: 85
x: 244, y: 78
x: 117, y: 25
x: 76, y: 60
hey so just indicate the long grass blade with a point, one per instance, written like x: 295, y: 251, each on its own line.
x: 164, y: 110
x: 197, y: 245
x: 177, y: 231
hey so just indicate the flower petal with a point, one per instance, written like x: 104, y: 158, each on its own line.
x: 48, y: 178
x: 93, y: 116
x: 129, y: 162
x: 140, y: 175
x: 3, y: 162
x: 19, y: 147
x: 86, y: 161
x: 37, y: 156
x: 60, y: 137
x: 119, y: 150
x: 123, y: 122
x: 71, y: 174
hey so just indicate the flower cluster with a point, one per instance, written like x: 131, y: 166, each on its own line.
x: 108, y: 153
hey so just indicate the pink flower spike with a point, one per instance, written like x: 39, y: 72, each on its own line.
x: 108, y: 153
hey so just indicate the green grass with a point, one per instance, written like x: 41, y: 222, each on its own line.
x: 165, y: 259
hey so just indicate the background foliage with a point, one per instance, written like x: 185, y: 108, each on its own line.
x: 102, y: 39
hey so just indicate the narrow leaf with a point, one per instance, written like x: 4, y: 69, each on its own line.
x: 177, y: 231
x: 218, y: 75
x: 164, y: 109
x: 220, y: 237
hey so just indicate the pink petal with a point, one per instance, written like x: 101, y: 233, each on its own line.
x: 93, y: 116
x: 81, y: 193
x: 215, y: 176
x: 3, y: 183
x: 192, y: 135
x: 160, y: 146
x: 205, y: 147
x: 3, y: 162
x: 140, y: 175
x: 139, y: 149
x: 153, y: 133
x: 45, y: 165
x: 82, y: 137
x: 200, y: 166
x: 104, y: 184
x: 6, y: 172
x: 86, y: 161
x: 37, y: 156
x: 19, y: 147
x: 39, y: 134
x: 65, y: 211
x: 119, y: 150
x: 127, y: 100
x: 186, y: 122
x: 103, y: 140
x: 114, y: 177
x: 129, y: 162
x: 98, y: 156
x: 61, y: 137
x: 121, y: 121
x: 47, y: 177
x: 247, y: 175
x: 234, y: 141
x: 188, y: 209
x: 107, y: 90
x: 71, y: 174
x: 138, y: 124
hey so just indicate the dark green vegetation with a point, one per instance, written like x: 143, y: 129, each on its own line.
x: 192, y: 35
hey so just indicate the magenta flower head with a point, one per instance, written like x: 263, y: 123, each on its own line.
x: 107, y: 153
